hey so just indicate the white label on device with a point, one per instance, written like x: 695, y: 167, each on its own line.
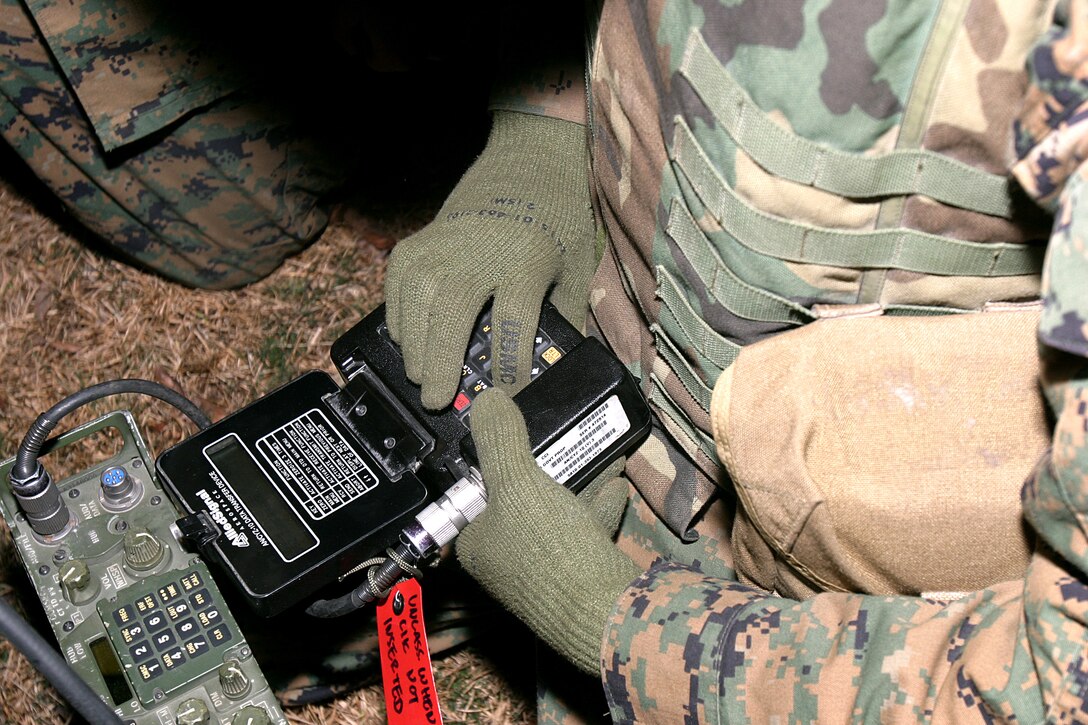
x: 581, y: 444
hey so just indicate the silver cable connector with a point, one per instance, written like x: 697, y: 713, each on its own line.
x: 440, y: 522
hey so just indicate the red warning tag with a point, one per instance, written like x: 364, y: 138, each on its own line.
x: 410, y: 696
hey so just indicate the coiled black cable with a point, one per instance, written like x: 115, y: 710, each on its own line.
x: 380, y: 579
x: 26, y: 461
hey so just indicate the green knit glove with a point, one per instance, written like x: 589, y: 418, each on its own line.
x: 543, y: 552
x: 516, y: 224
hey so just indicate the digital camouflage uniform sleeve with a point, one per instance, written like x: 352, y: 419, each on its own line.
x: 683, y: 647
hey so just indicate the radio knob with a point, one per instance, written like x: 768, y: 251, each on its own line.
x: 233, y: 679
x: 74, y: 575
x: 76, y: 580
x: 251, y: 715
x: 143, y: 550
x: 193, y: 711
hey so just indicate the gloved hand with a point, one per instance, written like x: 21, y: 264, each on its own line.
x: 518, y: 222
x: 543, y: 552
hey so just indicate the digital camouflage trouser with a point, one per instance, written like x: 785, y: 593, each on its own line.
x: 216, y: 200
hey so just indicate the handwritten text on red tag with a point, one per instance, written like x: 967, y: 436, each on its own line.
x: 410, y: 697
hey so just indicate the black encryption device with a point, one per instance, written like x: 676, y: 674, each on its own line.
x: 291, y: 494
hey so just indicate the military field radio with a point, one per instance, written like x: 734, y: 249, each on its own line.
x: 291, y: 494
x: 138, y: 617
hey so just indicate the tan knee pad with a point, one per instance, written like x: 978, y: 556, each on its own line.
x: 884, y: 454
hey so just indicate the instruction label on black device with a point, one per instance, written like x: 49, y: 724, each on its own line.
x: 578, y: 446
x: 317, y: 464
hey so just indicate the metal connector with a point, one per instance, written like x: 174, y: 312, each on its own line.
x: 440, y: 522
x: 39, y: 499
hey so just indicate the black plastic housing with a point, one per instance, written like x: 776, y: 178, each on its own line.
x: 344, y: 536
x: 294, y: 463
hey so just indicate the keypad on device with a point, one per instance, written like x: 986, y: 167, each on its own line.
x: 171, y: 625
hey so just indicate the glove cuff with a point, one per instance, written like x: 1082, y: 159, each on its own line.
x: 532, y: 176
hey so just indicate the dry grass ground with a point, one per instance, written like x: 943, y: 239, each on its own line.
x: 71, y: 316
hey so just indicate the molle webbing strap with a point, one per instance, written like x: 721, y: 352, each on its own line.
x: 684, y: 431
x: 897, y: 248
x: 680, y: 368
x: 914, y: 121
x: 789, y: 156
x: 922, y: 310
x: 736, y: 295
x: 689, y: 327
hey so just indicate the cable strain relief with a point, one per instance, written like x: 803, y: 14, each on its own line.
x: 381, y: 578
x: 405, y: 559
x: 27, y: 457
x: 30, y: 484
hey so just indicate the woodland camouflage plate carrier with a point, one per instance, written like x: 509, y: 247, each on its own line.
x: 734, y: 209
x: 760, y: 164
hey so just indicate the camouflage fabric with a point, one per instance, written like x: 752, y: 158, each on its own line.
x: 688, y: 647
x: 208, y: 190
x: 685, y: 645
x: 134, y: 66
x: 931, y: 661
x: 1065, y: 304
x: 643, y: 535
x: 721, y: 235
x: 1052, y: 141
x: 719, y: 240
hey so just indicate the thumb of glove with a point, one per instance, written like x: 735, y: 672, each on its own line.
x: 606, y: 496
x: 537, y: 548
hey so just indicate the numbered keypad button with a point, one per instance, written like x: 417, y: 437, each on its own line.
x: 155, y: 621
x: 197, y: 646
x: 164, y: 640
x: 149, y: 670
x: 186, y: 628
x: 177, y: 610
x: 132, y: 633
x: 209, y: 617
x: 173, y: 658
x: 141, y: 651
